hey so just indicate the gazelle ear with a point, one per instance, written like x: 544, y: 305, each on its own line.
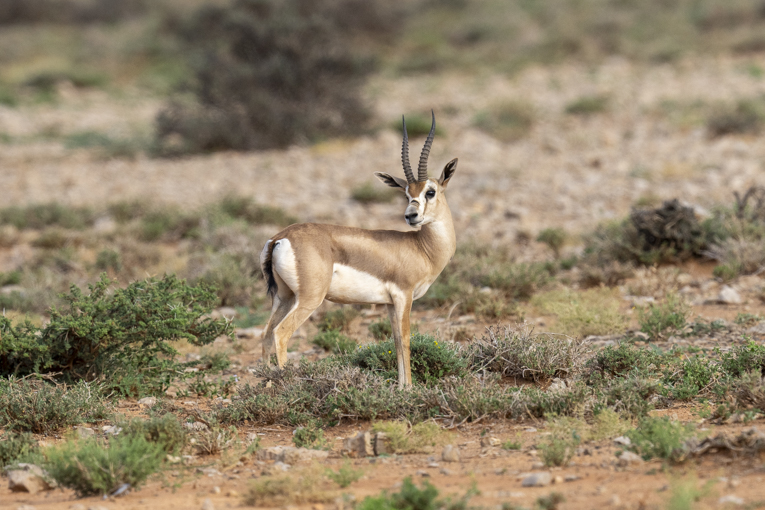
x: 449, y: 169
x: 393, y: 182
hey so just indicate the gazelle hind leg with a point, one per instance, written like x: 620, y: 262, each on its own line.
x: 293, y: 320
x: 279, y: 310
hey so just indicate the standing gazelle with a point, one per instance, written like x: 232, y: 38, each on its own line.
x: 305, y: 264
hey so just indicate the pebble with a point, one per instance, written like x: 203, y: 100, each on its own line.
x: 148, y: 401
x: 623, y: 440
x: 207, y: 505
x: 729, y: 296
x: 627, y: 458
x: 730, y: 499
x: 447, y: 472
x: 215, y: 490
x: 450, y: 454
x: 422, y: 473
x: 541, y: 479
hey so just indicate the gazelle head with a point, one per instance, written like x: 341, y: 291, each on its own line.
x: 426, y: 196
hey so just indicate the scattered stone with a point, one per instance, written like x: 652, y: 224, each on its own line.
x: 29, y: 478
x: 450, y: 454
x: 558, y: 479
x: 292, y: 455
x: 280, y: 466
x: 26, y: 507
x: 233, y: 494
x: 489, y: 441
x: 432, y: 464
x: 446, y: 472
x: 77, y: 506
x: 731, y: 499
x: 623, y: 440
x: 119, y: 491
x: 207, y: 505
x: 197, y: 426
x: 422, y: 473
x: 382, y: 444
x: 729, y: 296
x: 85, y: 432
x: 147, y: 401
x: 530, y: 429
x: 541, y: 479
x: 209, y: 471
x: 557, y: 384
x: 538, y: 465
x: 615, y: 500
x: 249, y: 332
x: 215, y: 490
x: 111, y: 430
x: 359, y: 445
x: 627, y: 458
x: 571, y: 478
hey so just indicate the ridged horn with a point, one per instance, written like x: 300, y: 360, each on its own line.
x: 422, y: 168
x: 405, y: 155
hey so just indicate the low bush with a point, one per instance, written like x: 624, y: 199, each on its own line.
x: 17, y: 447
x: 35, y: 406
x: 693, y: 377
x: 410, y: 497
x: 334, y: 341
x: 309, y: 436
x: 590, y: 312
x: 369, y: 193
x: 90, y: 467
x: 507, y: 122
x: 658, y: 320
x: 338, y: 319
x: 39, y: 216
x: 214, y: 439
x: 346, y: 475
x: 744, y: 117
x: 742, y: 359
x: 623, y: 358
x: 166, y: 431
x: 126, y: 333
x: 588, y: 105
x: 309, y: 487
x: 430, y: 359
x: 558, y: 450
x: 524, y: 354
x: 381, y: 329
x: 554, y: 238
x: 659, y: 437
x: 417, y: 438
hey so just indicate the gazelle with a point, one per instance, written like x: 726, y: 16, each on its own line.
x: 306, y: 263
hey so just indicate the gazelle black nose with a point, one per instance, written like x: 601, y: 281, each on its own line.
x: 411, y: 216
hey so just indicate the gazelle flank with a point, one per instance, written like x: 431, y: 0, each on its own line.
x: 306, y: 263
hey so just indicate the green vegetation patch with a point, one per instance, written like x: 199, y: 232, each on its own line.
x: 590, y: 312
x: 507, y: 122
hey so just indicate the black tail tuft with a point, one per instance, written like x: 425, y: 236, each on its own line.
x: 268, y: 272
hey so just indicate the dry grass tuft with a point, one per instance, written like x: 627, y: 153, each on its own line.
x: 590, y: 312
x: 407, y: 438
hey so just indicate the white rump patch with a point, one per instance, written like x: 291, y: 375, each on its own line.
x: 264, y: 254
x: 284, y: 263
x: 350, y: 285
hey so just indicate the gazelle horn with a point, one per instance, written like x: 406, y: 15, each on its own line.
x: 405, y: 155
x: 422, y: 168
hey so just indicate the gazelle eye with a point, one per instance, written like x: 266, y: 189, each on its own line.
x: 430, y: 193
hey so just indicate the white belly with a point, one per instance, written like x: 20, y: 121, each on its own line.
x: 350, y: 285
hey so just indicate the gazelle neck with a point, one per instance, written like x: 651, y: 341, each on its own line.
x: 438, y: 239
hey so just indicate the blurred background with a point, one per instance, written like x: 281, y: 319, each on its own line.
x: 139, y: 137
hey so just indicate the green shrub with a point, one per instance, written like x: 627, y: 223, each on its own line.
x: 310, y: 436
x: 746, y: 116
x: 506, y: 122
x: 381, y: 329
x: 590, y: 312
x: 622, y: 358
x: 126, y: 333
x: 16, y: 447
x: 165, y: 431
x: 742, y: 359
x: 368, y: 193
x: 431, y: 360
x: 554, y: 238
x: 345, y: 476
x: 35, y: 406
x: 338, y: 319
x: 550, y: 502
x: 245, y: 208
x: 695, y: 375
x: 405, y: 438
x: 108, y: 259
x: 39, y: 216
x: 658, y: 320
x: 107, y: 146
x: 10, y: 278
x: 588, y: 105
x: 89, y: 467
x: 659, y: 437
x: 334, y: 341
x: 558, y: 451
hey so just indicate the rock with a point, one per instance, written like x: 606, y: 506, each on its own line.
x: 148, y: 401
x: 215, y: 490
x: 541, y: 479
x: 85, y: 432
x: 26, y: 507
x: 382, y: 444
x: 446, y: 472
x: 729, y: 296
x: 558, y: 479
x: 627, y: 458
x: 209, y: 471
x: 207, y: 505
x: 489, y: 441
x: 249, y: 332
x: 538, y: 465
x: 280, y: 466
x: 359, y: 445
x: 197, y: 426
x: 615, y: 500
x: 232, y: 494
x: 622, y: 440
x: 422, y: 473
x: 557, y: 384
x: 450, y: 454
x: 293, y: 456
x: 270, y: 453
x: 730, y: 499
x: 571, y: 478
x: 29, y: 478
x: 77, y: 506
x: 111, y: 430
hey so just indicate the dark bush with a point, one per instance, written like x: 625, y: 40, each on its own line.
x: 270, y: 73
x: 69, y: 11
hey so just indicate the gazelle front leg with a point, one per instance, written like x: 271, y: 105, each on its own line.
x: 399, y: 313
